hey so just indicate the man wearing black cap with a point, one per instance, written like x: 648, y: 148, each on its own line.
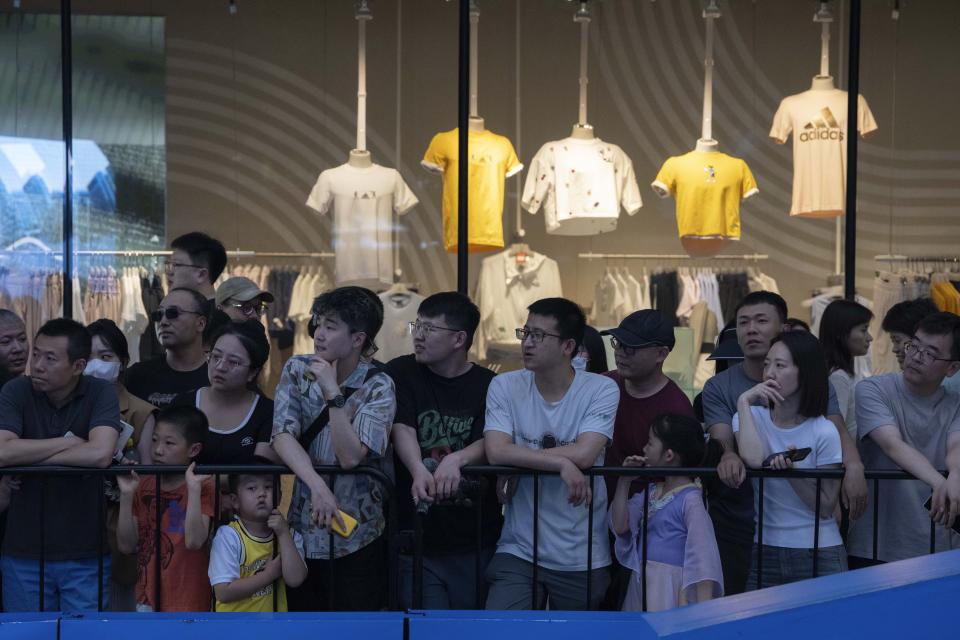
x: 641, y: 344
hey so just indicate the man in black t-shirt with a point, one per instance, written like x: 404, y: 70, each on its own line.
x: 181, y: 319
x: 441, y: 403
x: 57, y: 416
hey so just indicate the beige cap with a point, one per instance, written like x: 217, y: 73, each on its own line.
x: 242, y: 290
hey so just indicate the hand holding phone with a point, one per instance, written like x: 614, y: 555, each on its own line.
x: 793, y: 455
x: 349, y: 521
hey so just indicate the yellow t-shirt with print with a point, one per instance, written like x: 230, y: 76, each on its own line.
x: 255, y: 553
x: 708, y: 186
x: 492, y: 160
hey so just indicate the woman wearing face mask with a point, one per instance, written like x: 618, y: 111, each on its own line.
x: 777, y: 420
x: 241, y: 418
x: 592, y: 356
x: 109, y: 357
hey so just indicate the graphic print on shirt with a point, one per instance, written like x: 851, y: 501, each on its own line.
x: 440, y: 435
x: 172, y: 521
x: 825, y: 128
x: 711, y: 173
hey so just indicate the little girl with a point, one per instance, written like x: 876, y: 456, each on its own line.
x: 683, y: 563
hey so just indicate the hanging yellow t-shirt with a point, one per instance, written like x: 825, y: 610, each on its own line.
x: 709, y: 186
x: 492, y: 160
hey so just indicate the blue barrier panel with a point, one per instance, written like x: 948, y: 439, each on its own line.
x: 233, y: 626
x: 29, y: 626
x: 914, y: 598
x: 527, y: 625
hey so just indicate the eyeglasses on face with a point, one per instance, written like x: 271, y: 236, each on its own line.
x: 629, y: 351
x: 921, y: 353
x: 424, y: 329
x: 250, y: 309
x: 170, y: 313
x: 170, y: 265
x: 535, y: 334
x: 219, y: 360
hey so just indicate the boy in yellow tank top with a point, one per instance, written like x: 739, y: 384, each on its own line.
x: 257, y: 553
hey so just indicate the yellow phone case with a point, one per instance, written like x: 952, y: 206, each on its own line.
x: 348, y: 520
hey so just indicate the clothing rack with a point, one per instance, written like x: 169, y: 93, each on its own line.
x: 670, y: 256
x: 900, y: 258
x: 136, y: 253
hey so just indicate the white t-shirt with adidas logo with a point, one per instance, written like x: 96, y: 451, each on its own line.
x: 818, y: 120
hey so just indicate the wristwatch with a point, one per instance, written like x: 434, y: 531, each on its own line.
x: 337, y: 401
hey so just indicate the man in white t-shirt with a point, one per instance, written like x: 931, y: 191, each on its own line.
x: 552, y: 418
x: 908, y: 420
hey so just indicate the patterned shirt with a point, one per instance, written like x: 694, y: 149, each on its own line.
x: 370, y: 410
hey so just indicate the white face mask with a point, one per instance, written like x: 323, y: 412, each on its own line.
x: 102, y: 369
x: 579, y: 362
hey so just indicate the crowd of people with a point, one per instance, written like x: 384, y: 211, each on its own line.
x: 178, y: 541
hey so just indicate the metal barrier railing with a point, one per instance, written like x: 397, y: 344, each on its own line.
x: 762, y: 475
x: 217, y: 471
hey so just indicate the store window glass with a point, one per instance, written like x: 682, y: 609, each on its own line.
x: 32, y: 167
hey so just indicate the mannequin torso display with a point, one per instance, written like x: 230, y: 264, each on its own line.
x: 360, y: 159
x: 582, y: 132
x: 475, y: 124
x: 707, y: 145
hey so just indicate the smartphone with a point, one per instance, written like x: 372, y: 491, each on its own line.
x: 929, y: 503
x: 349, y: 521
x: 794, y: 455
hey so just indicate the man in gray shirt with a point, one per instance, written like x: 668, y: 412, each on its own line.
x: 909, y: 421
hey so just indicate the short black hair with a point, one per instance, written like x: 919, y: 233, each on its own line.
x: 190, y: 421
x: 838, y: 320
x: 904, y: 317
x: 596, y: 351
x: 569, y: 316
x: 204, y: 251
x: 812, y: 371
x: 764, y: 297
x: 457, y: 310
x: 356, y: 307
x: 796, y: 322
x: 78, y: 338
x: 233, y: 480
x: 943, y: 323
x: 203, y: 305
x: 108, y: 331
x: 684, y: 436
x: 9, y: 316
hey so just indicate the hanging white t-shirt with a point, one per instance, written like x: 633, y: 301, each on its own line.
x: 399, y: 310
x: 507, y: 286
x: 787, y: 519
x: 581, y: 185
x: 363, y: 200
x: 515, y: 407
x: 818, y: 120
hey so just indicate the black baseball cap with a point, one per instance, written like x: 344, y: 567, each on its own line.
x: 644, y: 328
x: 727, y: 346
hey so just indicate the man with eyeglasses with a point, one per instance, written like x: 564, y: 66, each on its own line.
x: 551, y: 417
x: 441, y: 402
x: 241, y: 299
x: 909, y: 421
x: 180, y: 320
x: 196, y: 263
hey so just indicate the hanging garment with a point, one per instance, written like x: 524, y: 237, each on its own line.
x: 506, y: 287
x: 709, y: 187
x: 606, y: 302
x: 818, y: 120
x: 364, y: 201
x: 581, y: 185
x: 492, y: 160
x: 665, y: 293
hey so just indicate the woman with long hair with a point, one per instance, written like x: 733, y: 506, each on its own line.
x: 845, y: 335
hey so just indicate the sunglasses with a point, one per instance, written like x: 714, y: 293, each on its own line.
x: 170, y: 313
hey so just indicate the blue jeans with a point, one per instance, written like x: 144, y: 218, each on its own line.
x: 68, y: 585
x: 782, y: 565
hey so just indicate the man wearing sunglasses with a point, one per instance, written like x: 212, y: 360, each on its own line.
x: 180, y: 321
x: 241, y: 299
x: 908, y: 420
x: 553, y: 418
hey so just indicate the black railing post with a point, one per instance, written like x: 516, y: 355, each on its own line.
x: 275, y: 490
x: 536, y: 534
x: 643, y: 545
x: 418, y: 560
x: 157, y: 601
x: 478, y: 552
x: 101, y: 508
x: 853, y: 102
x: 66, y: 84
x: 463, y: 167
x: 393, y: 555
x: 933, y: 533
x: 876, y: 517
x: 760, y: 531
x: 43, y: 537
x: 590, y: 544
x: 816, y: 529
x: 331, y: 583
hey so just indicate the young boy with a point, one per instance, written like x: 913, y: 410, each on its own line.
x: 186, y: 508
x: 256, y: 553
